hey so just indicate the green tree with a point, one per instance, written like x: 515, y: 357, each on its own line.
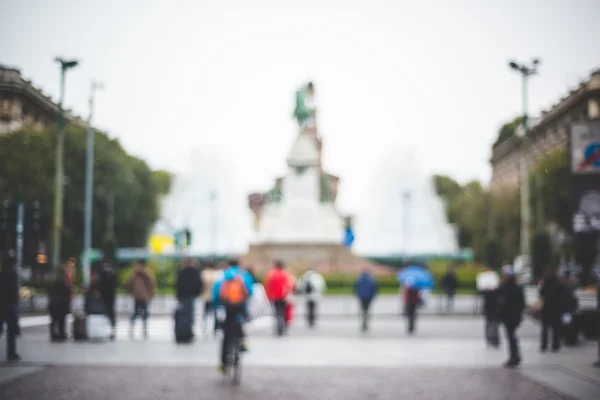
x: 478, y: 214
x: 163, y: 180
x: 508, y: 130
x: 446, y: 186
x: 125, y: 189
x: 551, y: 188
x: 506, y: 216
x: 466, y: 207
x: 492, y: 253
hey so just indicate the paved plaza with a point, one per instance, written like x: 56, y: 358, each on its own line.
x: 446, y: 359
x: 334, y: 306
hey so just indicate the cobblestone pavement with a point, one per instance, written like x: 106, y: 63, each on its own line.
x: 91, y: 383
x: 340, y: 305
x: 446, y: 359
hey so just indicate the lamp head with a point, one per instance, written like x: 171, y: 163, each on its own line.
x: 66, y: 64
x: 513, y: 65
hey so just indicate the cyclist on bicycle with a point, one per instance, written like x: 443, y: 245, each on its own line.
x: 232, y: 292
x: 278, y: 285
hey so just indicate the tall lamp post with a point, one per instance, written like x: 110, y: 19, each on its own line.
x: 214, y: 223
x: 526, y: 71
x: 89, y: 187
x: 59, y: 177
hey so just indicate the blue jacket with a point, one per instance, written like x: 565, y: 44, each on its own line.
x: 229, y: 274
x: 365, y: 286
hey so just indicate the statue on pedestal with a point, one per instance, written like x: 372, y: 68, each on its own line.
x: 305, y: 111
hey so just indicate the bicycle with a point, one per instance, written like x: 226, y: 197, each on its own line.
x: 233, y: 366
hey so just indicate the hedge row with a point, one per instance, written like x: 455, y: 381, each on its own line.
x: 166, y: 275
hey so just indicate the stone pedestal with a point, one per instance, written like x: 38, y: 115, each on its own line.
x: 300, y: 217
x: 299, y: 257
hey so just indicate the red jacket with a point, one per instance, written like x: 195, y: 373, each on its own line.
x: 277, y: 284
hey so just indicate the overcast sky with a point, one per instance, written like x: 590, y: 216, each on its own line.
x: 185, y: 75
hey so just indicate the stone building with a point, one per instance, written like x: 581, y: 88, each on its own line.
x: 23, y: 105
x: 547, y: 132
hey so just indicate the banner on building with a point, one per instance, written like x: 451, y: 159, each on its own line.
x: 584, y: 150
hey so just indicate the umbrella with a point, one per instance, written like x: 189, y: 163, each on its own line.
x: 416, y: 276
x: 488, y: 280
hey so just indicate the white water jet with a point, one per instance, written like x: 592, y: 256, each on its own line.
x: 221, y: 224
x: 401, y: 211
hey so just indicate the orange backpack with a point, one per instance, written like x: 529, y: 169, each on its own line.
x: 233, y: 292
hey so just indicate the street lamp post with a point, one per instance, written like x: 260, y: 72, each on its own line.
x: 59, y: 177
x: 405, y: 223
x: 525, y: 71
x: 89, y: 187
x: 215, y: 228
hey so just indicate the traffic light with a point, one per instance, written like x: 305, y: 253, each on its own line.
x: 188, y: 237
x: 33, y: 217
x: 9, y: 216
x: 36, y: 216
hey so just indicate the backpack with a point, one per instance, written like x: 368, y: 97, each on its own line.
x: 308, y: 288
x: 233, y: 292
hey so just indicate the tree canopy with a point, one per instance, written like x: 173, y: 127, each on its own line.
x: 481, y: 216
x: 125, y: 200
x: 508, y: 130
x: 551, y: 182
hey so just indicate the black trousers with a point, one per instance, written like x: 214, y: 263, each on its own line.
x: 232, y: 327
x: 411, y: 315
x: 364, y: 310
x: 492, y: 335
x: 553, y: 323
x: 279, y: 308
x: 311, y: 306
x: 58, y: 329
x: 514, y: 352
x: 109, y: 303
x: 9, y: 316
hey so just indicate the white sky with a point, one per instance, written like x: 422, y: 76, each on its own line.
x: 182, y: 75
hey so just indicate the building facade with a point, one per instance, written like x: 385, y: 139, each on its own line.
x: 548, y: 132
x: 23, y: 105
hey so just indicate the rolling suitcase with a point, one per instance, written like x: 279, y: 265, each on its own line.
x: 570, y: 330
x: 79, y: 327
x: 183, y: 324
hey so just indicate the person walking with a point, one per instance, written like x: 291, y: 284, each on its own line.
x: 511, y: 302
x: 412, y: 301
x: 552, y: 295
x: 141, y: 286
x: 9, y: 301
x: 209, y: 277
x: 597, y: 363
x: 490, y: 312
x: 59, y: 305
x: 188, y: 286
x: 278, y: 286
x: 232, y: 292
x: 312, y: 285
x: 450, y: 284
x: 108, y: 287
x: 365, y: 289
x: 250, y: 270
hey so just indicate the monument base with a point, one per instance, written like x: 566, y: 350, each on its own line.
x: 324, y: 258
